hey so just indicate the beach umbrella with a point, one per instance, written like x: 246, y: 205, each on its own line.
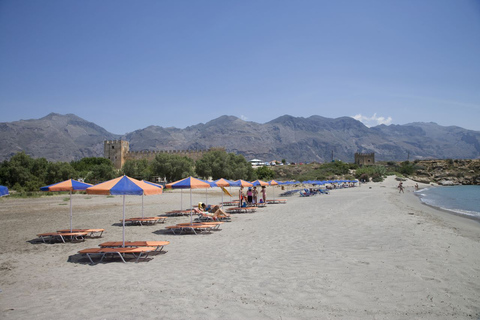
x: 212, y: 185
x: 222, y: 183
x: 243, y: 183
x: 189, y: 183
x: 123, y: 186
x: 67, y: 185
x: 273, y: 183
x: 3, y: 191
x: 260, y: 183
x: 153, y: 184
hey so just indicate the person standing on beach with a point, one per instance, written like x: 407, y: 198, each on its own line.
x: 264, y: 194
x: 240, y: 196
x: 400, y: 187
x: 249, y: 196
x: 255, y: 195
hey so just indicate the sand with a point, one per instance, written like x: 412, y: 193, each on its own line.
x: 359, y: 253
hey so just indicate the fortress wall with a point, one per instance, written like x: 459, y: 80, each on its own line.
x: 118, y: 151
x: 150, y: 155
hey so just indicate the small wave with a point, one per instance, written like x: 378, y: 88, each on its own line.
x: 466, y: 213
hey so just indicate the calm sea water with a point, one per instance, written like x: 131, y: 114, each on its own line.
x: 463, y: 200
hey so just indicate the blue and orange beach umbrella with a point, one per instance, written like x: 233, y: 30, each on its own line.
x: 124, y: 186
x: 67, y: 185
x: 189, y: 183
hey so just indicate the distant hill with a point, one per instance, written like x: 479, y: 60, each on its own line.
x: 54, y: 137
x: 68, y: 137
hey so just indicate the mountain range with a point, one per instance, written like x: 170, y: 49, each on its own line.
x: 296, y: 139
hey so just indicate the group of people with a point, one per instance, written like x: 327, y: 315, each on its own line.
x: 251, y: 196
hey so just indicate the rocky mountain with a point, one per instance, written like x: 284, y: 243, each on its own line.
x: 316, y: 138
x: 54, y: 137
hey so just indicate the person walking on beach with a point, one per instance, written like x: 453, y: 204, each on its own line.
x: 400, y: 187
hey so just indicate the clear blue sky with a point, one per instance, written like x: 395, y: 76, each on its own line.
x: 125, y: 65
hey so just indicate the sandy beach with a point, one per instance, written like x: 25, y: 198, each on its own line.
x: 359, y: 253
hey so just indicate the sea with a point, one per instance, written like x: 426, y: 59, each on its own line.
x: 459, y: 200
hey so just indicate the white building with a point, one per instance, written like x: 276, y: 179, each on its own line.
x: 256, y: 162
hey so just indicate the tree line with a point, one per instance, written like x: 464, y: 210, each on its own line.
x: 24, y: 173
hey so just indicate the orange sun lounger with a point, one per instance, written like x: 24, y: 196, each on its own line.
x: 62, y: 236
x: 144, y: 221
x: 91, y: 233
x: 277, y: 201
x: 193, y: 227
x: 158, y: 245
x: 137, y: 252
x: 241, y: 210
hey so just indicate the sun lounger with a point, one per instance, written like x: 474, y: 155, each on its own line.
x: 177, y: 212
x: 230, y: 203
x: 241, y: 210
x: 215, y: 225
x: 91, y: 233
x: 143, y: 221
x: 62, y: 236
x: 158, y: 245
x: 259, y: 205
x: 137, y: 252
x: 195, y: 228
x: 276, y: 201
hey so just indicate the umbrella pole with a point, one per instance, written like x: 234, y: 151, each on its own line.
x: 71, y: 215
x: 181, y: 199
x: 191, y: 208
x: 123, y: 223
x: 142, y: 205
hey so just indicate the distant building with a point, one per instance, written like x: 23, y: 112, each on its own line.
x: 256, y: 162
x: 365, y: 159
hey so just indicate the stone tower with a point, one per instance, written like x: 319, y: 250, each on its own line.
x: 364, y: 159
x: 115, y: 150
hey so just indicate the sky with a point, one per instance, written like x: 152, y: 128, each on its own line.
x: 126, y: 65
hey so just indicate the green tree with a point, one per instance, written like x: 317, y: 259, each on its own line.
x: 59, y: 171
x: 138, y: 169
x: 406, y: 168
x: 101, y: 172
x: 171, y: 166
x: 22, y: 172
x: 86, y: 165
x: 220, y: 164
x: 265, y: 173
x: 212, y: 164
x: 239, y: 168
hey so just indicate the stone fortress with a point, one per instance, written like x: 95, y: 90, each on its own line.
x: 118, y: 151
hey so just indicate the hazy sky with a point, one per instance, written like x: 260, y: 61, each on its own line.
x: 125, y: 65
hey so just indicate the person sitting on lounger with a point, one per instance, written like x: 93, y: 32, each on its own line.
x: 218, y: 212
